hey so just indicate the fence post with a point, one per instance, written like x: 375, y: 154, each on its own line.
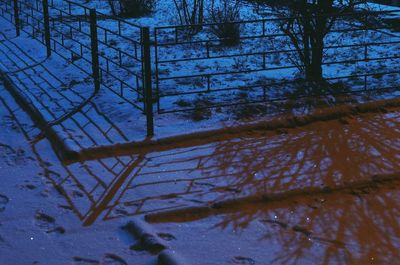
x: 365, y: 83
x: 148, y: 92
x: 46, y: 19
x: 16, y: 17
x: 94, y: 49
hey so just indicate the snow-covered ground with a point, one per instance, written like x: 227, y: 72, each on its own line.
x: 37, y: 223
x: 322, y: 193
x: 43, y: 202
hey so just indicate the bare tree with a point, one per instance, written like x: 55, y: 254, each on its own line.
x: 307, y: 23
x: 224, y: 15
x: 190, y: 13
x: 112, y: 4
x: 131, y: 8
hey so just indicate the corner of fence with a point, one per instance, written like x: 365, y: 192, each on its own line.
x: 147, y: 80
x: 46, y: 19
x: 94, y: 43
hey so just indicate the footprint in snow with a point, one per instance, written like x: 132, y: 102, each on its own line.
x: 111, y: 259
x: 3, y: 202
x: 243, y: 260
x: 166, y: 236
x: 27, y: 187
x: 85, y: 261
x: 43, y: 219
x: 48, y: 223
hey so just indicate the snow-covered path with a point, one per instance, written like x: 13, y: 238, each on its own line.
x: 329, y: 222
x: 37, y: 225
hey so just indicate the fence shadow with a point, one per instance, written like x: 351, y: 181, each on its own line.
x: 322, y: 155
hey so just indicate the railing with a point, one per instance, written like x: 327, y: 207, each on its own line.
x: 115, y: 57
x: 262, y: 66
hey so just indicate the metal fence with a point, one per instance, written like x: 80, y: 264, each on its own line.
x: 262, y: 66
x: 115, y: 58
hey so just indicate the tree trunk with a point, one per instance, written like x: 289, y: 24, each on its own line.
x: 317, y: 36
x: 314, y: 72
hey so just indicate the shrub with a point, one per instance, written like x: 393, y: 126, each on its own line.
x: 201, y: 108
x: 224, y: 18
x: 191, y: 14
x: 131, y: 8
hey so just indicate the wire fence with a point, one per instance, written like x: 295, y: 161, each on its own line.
x: 174, y: 69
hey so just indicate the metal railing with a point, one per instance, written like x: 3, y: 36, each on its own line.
x: 263, y: 53
x: 115, y: 57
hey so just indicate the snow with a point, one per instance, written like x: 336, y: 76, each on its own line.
x: 38, y: 224
x: 355, y: 224
x: 332, y: 185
